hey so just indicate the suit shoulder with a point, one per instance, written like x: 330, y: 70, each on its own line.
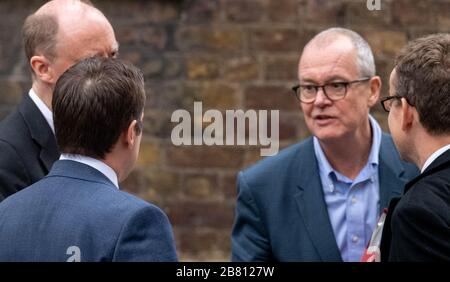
x: 14, y: 130
x: 131, y: 204
x: 431, y: 191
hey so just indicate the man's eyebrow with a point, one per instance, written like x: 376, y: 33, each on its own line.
x: 336, y: 78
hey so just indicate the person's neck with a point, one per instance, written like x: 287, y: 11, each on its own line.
x: 349, y: 154
x: 426, y: 145
x: 115, y: 162
x: 44, y: 92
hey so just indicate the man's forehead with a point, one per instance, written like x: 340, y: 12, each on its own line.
x: 328, y: 65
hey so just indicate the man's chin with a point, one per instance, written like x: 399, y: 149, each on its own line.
x: 327, y: 134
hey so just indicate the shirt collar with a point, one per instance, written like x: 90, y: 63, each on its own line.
x: 94, y: 163
x: 434, y: 156
x: 48, y: 115
x: 325, y: 167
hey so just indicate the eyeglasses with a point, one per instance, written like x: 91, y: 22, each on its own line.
x: 386, y: 102
x: 334, y: 91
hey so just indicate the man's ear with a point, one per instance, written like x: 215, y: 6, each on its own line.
x: 131, y: 134
x: 408, y: 113
x: 42, y: 69
x: 375, y: 87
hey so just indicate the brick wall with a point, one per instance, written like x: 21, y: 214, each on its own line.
x: 229, y: 54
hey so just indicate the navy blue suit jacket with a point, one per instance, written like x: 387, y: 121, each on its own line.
x: 27, y: 148
x: 281, y: 213
x: 76, y: 212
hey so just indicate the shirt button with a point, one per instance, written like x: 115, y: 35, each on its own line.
x: 355, y: 239
x: 354, y: 200
x: 331, y: 186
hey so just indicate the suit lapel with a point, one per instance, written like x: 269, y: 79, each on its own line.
x: 311, y: 205
x: 40, y: 132
x: 390, y: 169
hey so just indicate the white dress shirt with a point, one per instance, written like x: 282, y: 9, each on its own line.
x: 94, y: 163
x: 48, y: 115
x: 434, y: 156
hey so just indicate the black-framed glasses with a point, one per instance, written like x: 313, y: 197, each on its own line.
x: 386, y: 102
x: 334, y: 91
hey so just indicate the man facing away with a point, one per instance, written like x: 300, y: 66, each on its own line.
x: 419, y: 120
x: 319, y: 200
x: 56, y: 36
x: 77, y: 212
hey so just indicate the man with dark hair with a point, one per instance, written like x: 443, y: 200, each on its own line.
x: 56, y: 36
x: 77, y: 212
x: 419, y: 120
x: 320, y: 199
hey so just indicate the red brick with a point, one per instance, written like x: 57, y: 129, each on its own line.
x: 200, y: 214
x: 241, y: 69
x: 228, y: 184
x: 274, y: 40
x: 323, y: 12
x: 203, y: 244
x: 417, y: 13
x: 201, y: 187
x: 214, y: 95
x: 243, y: 11
x: 204, y: 156
x: 385, y: 42
x: 202, y: 67
x: 12, y: 91
x: 201, y: 39
x: 266, y: 97
x: 200, y: 11
x: 154, y: 38
x: 281, y: 68
x: 283, y: 10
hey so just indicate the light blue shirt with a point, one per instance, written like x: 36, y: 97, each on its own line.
x: 353, y: 205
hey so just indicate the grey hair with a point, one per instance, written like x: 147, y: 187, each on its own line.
x: 364, y: 56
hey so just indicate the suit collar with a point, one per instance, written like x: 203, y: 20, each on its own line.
x: 311, y: 204
x: 434, y: 156
x: 441, y: 162
x: 74, y: 169
x: 39, y: 131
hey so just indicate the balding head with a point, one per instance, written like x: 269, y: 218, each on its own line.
x: 363, y: 54
x: 41, y: 29
x: 61, y: 33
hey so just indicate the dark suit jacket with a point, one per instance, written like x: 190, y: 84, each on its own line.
x: 27, y: 148
x: 281, y: 213
x: 420, y: 221
x: 76, y: 210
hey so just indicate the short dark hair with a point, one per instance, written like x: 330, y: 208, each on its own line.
x: 423, y: 78
x: 94, y: 101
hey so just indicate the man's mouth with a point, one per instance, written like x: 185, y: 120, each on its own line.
x: 323, y: 119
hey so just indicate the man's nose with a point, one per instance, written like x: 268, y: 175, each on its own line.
x: 321, y: 98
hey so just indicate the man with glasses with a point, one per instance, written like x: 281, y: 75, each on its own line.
x: 419, y: 120
x: 319, y: 200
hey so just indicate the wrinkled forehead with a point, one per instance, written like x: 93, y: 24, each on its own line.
x: 335, y: 59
